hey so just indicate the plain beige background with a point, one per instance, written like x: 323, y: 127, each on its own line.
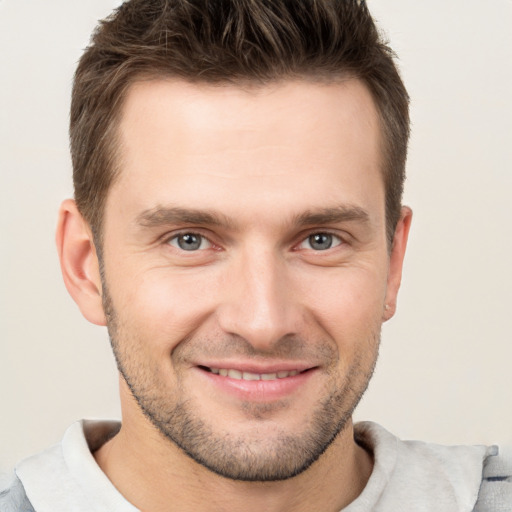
x: 445, y: 369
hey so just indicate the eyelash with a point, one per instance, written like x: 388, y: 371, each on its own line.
x: 304, y: 239
x: 333, y: 236
x: 176, y: 236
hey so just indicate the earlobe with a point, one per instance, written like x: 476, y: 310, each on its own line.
x: 396, y: 262
x: 79, y: 262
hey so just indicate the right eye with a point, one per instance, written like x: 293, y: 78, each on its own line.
x: 190, y: 242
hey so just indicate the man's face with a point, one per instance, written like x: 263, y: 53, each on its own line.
x: 246, y: 267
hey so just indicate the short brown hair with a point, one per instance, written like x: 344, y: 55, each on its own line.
x: 228, y: 41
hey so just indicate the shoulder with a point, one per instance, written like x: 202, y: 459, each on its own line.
x: 496, y: 489
x: 423, y: 476
x: 12, y: 495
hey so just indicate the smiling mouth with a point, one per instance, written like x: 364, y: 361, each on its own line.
x: 240, y: 375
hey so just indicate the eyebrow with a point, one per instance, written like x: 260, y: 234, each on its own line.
x: 161, y: 216
x: 345, y: 213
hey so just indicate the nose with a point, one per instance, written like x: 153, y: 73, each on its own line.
x: 259, y: 303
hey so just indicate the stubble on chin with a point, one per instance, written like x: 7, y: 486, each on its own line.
x: 246, y: 456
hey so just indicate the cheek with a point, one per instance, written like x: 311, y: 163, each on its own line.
x: 348, y: 304
x: 164, y: 307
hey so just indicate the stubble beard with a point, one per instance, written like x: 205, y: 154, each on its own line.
x: 242, y: 457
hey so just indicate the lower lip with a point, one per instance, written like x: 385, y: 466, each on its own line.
x: 258, y: 390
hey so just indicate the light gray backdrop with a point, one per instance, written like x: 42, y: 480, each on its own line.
x: 444, y: 373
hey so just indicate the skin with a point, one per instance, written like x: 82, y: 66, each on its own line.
x: 272, y: 166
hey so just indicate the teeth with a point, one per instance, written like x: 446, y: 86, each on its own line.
x: 251, y: 376
x: 237, y: 374
x: 234, y: 374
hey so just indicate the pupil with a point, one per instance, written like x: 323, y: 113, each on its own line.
x: 321, y: 241
x: 189, y: 242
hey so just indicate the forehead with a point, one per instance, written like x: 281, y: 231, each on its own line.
x: 283, y: 108
x: 276, y: 143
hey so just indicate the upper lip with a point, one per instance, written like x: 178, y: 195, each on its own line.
x: 259, y: 368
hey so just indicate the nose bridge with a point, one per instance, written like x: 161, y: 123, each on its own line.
x: 259, y: 303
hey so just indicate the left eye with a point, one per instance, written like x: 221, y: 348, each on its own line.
x: 320, y: 242
x: 190, y: 242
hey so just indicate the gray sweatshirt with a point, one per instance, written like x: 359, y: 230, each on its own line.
x: 410, y: 476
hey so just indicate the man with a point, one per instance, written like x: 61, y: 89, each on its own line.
x: 238, y: 226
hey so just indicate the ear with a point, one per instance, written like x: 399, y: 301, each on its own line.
x: 396, y: 261
x: 79, y: 262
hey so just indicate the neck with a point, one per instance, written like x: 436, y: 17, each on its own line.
x: 153, y: 474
